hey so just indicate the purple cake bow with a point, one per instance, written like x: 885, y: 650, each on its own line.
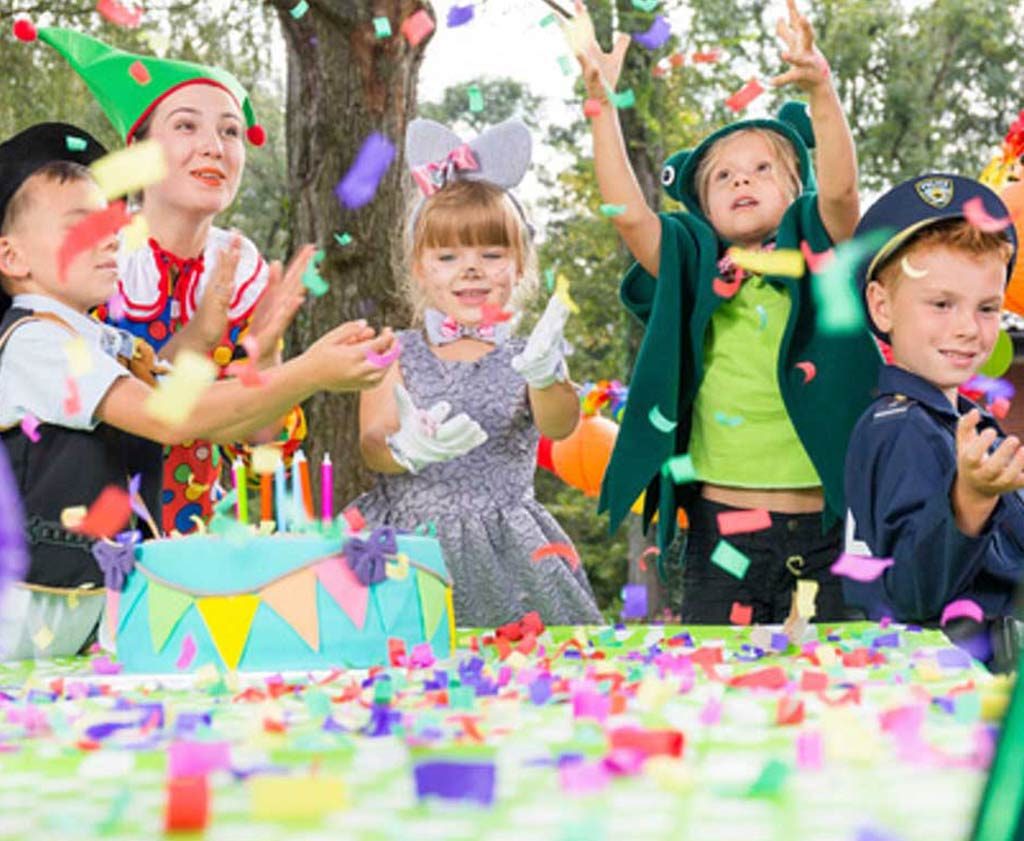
x: 116, y: 559
x: 432, y: 177
x: 368, y: 558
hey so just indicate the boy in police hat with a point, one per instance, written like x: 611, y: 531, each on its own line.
x: 931, y: 480
x: 85, y: 384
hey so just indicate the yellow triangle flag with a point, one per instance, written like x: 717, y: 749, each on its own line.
x: 165, y: 607
x: 228, y: 619
x: 293, y: 598
x: 432, y: 602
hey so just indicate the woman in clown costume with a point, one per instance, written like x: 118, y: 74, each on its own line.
x: 171, y: 293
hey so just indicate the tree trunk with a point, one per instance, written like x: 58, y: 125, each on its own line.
x: 344, y: 83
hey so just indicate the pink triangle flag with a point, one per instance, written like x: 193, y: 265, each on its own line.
x: 342, y: 585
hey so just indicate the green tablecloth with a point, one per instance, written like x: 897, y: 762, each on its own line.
x: 75, y: 764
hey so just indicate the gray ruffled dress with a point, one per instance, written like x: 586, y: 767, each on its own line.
x: 488, y: 521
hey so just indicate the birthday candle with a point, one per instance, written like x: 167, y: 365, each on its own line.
x: 266, y: 498
x: 280, y: 498
x: 241, y: 492
x: 305, y: 486
x: 326, y: 490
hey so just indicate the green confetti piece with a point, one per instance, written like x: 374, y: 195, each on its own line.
x: 646, y: 5
x: 382, y: 27
x: 476, y: 99
x: 566, y: 64
x: 75, y: 144
x: 547, y: 20
x: 680, y: 468
x: 731, y: 559
x: 299, y: 9
x: 611, y: 210
x: 726, y: 420
x: 659, y: 421
x: 771, y: 779
x: 318, y: 703
x: 762, y: 317
x: 461, y: 697
x: 383, y: 692
x: 311, y: 279
x: 343, y: 239
x: 626, y: 99
x: 839, y: 305
x: 549, y: 278
x: 967, y: 707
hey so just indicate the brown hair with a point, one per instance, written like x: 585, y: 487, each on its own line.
x: 473, y: 213
x: 59, y: 171
x: 782, y: 150
x: 955, y: 234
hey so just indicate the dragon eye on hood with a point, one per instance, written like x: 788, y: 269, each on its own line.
x: 668, y: 175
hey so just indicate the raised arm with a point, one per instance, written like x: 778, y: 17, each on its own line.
x: 638, y: 225
x: 835, y: 157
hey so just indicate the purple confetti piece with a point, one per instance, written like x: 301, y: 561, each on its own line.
x: 13, y: 556
x: 460, y: 15
x: 869, y: 833
x: 634, y: 601
x: 360, y: 183
x: 449, y: 780
x: 656, y: 36
x: 540, y: 690
x: 953, y: 658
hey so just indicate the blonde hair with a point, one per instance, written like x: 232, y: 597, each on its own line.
x: 954, y: 234
x: 472, y: 213
x: 782, y: 151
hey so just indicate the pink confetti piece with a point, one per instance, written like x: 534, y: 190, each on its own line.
x: 810, y: 370
x: 72, y: 401
x: 962, y: 609
x: 139, y: 73
x: 563, y: 550
x: 187, y: 653
x: 417, y: 26
x: 353, y: 516
x: 382, y: 360
x: 105, y: 666
x: 493, y: 314
x: 810, y: 751
x: 649, y: 552
x: 706, y: 57
x: 728, y: 288
x: 30, y: 427
x: 89, y: 232
x: 743, y: 522
x: 741, y: 614
x: 860, y: 567
x: 744, y: 96
x: 816, y: 262
x: 976, y: 215
x: 116, y: 306
x: 120, y: 15
x: 1000, y: 408
x: 592, y: 108
x: 712, y: 712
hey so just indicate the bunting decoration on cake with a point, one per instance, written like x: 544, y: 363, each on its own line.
x: 166, y: 607
x: 293, y: 598
x: 346, y: 590
x: 228, y: 619
x: 432, y: 602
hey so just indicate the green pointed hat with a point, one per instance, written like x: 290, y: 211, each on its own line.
x: 128, y: 86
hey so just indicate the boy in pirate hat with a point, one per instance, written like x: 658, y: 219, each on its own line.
x: 931, y: 480
x: 71, y: 387
x: 201, y: 116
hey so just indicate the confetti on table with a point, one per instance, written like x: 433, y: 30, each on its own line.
x: 634, y: 601
x: 476, y: 99
x: 299, y: 9
x: 977, y: 216
x: 783, y: 262
x: 561, y: 550
x: 131, y: 169
x: 612, y: 210
x: 810, y: 370
x: 381, y: 27
x: 120, y: 15
x: 741, y: 614
x: 744, y: 522
x: 383, y: 360
x: 276, y: 797
x: 417, y: 26
x: 656, y: 35
x: 744, y: 96
x: 961, y: 609
x: 732, y: 560
x: 360, y: 183
x: 188, y: 804
x: 178, y: 393
x: 659, y: 421
x: 456, y: 780
x: 89, y: 232
x: 592, y: 108
x: 30, y: 427
x: 680, y: 468
x: 459, y: 15
x: 108, y: 513
x: 860, y: 567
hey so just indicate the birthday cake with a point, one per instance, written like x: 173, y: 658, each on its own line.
x: 282, y: 601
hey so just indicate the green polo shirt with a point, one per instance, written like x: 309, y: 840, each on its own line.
x: 676, y: 310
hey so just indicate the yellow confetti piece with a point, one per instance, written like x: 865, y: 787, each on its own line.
x: 265, y: 459
x: 135, y: 234
x: 399, y: 568
x: 806, y: 594
x: 786, y: 262
x: 579, y: 33
x: 206, y: 675
x: 177, y: 394
x: 277, y: 797
x: 847, y: 738
x: 562, y: 291
x: 156, y: 41
x: 669, y: 774
x: 928, y: 671
x: 129, y: 170
x: 826, y: 655
x: 653, y: 694
x: 79, y: 357
x: 72, y: 516
x: 43, y: 638
x: 517, y: 660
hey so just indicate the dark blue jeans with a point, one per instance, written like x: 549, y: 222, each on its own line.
x: 793, y: 548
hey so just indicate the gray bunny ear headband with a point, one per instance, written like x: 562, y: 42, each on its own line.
x: 437, y: 156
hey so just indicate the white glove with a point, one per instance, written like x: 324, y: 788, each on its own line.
x: 425, y: 437
x: 542, y: 362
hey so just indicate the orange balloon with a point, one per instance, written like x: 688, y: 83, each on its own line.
x: 581, y: 459
x: 1013, y: 196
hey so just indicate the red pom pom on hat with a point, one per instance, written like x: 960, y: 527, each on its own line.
x: 24, y: 30
x: 257, y: 135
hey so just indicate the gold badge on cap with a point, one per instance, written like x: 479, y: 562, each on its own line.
x: 936, y: 191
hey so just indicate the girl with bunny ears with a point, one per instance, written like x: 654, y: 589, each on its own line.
x: 453, y: 429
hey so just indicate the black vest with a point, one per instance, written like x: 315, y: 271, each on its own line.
x: 70, y: 467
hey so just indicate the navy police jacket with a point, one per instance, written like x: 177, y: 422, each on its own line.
x: 900, y: 468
